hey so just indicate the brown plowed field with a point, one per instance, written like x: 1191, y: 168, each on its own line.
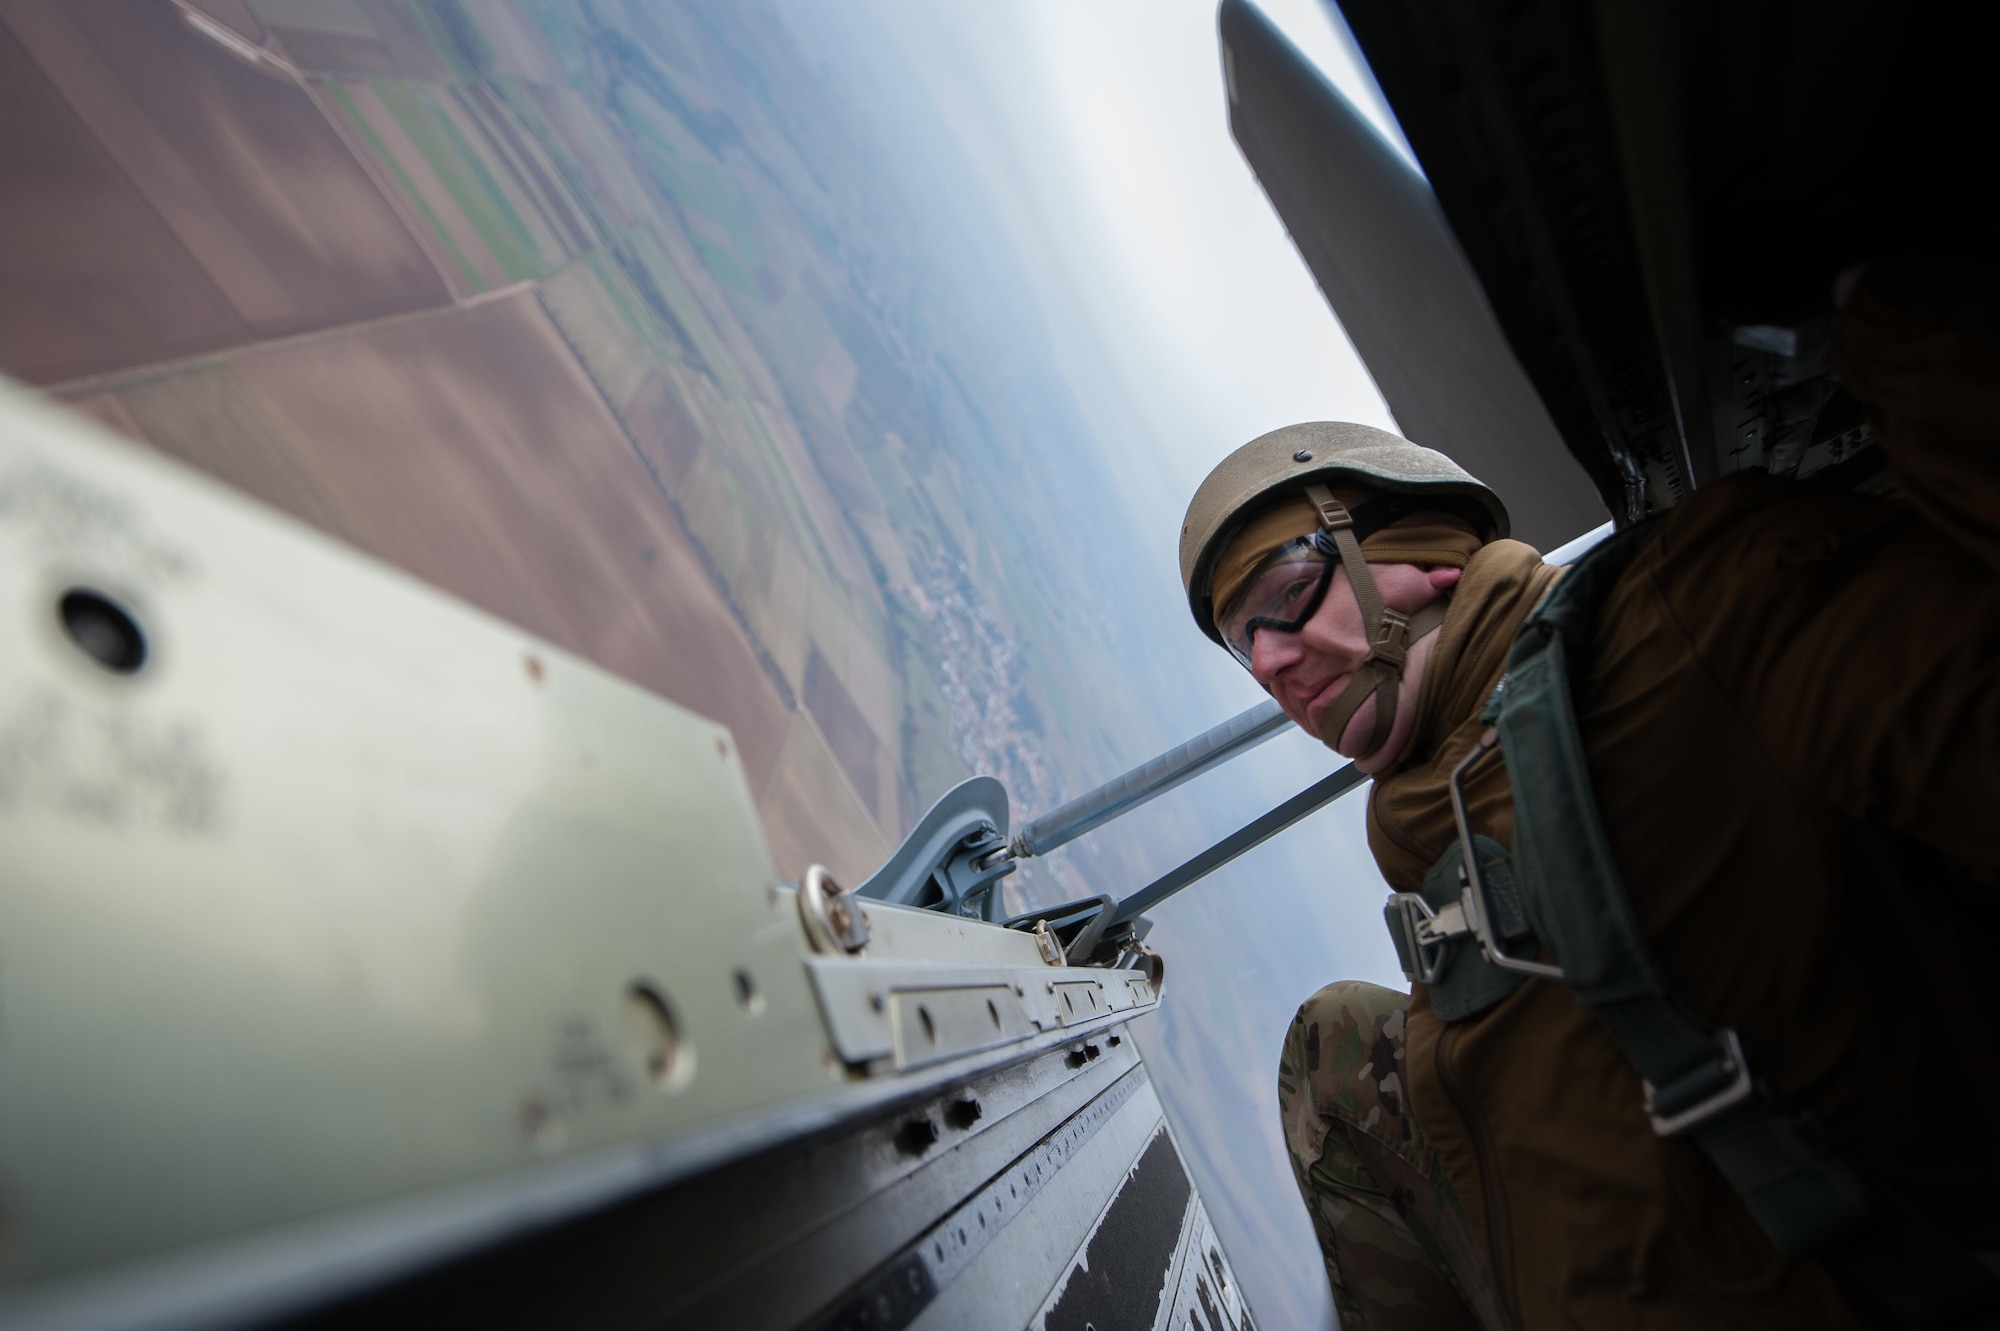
x: 89, y: 274
x: 847, y: 731
x: 435, y: 198
x: 192, y: 201
x: 236, y: 16
x: 388, y: 41
x: 467, y: 447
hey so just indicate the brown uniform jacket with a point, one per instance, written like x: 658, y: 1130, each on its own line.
x: 1792, y: 722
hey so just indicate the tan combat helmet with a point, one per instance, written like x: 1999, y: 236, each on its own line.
x: 1312, y: 460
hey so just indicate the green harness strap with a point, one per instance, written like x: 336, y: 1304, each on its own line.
x: 1697, y: 1081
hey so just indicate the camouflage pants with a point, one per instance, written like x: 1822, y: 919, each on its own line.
x: 1400, y: 1252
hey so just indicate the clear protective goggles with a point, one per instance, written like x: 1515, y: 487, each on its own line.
x: 1283, y: 592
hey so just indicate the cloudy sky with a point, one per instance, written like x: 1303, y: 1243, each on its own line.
x: 1187, y: 321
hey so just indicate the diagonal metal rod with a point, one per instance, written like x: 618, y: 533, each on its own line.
x: 1157, y: 777
x: 1250, y: 835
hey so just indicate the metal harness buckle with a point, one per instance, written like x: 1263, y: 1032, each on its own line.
x: 1477, y: 913
x: 1731, y: 1068
x: 1426, y: 931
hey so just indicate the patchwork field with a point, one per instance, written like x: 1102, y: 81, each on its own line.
x: 586, y: 314
x: 232, y: 209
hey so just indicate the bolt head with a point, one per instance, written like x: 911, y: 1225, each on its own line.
x: 1303, y: 455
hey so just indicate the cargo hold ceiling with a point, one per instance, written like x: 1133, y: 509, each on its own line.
x: 1655, y: 196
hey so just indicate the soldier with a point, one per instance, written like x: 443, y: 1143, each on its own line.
x: 1756, y: 1086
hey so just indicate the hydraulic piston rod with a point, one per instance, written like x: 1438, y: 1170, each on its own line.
x: 1148, y: 780
x: 1248, y: 837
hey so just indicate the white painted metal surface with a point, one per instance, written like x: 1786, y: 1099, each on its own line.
x: 357, y: 927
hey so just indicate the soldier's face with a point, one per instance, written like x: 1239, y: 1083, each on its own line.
x: 1308, y: 670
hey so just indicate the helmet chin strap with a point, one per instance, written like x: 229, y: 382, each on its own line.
x: 1390, y: 633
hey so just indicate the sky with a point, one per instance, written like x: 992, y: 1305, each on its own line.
x: 1183, y: 318
x: 1184, y: 323
x: 1167, y: 284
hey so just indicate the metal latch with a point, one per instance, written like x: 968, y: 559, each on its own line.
x: 1729, y: 1068
x: 1426, y: 931
x: 1478, y: 915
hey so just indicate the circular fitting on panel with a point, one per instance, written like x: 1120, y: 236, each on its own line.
x: 103, y: 630
x: 653, y: 1035
x: 833, y: 918
x: 1154, y: 967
